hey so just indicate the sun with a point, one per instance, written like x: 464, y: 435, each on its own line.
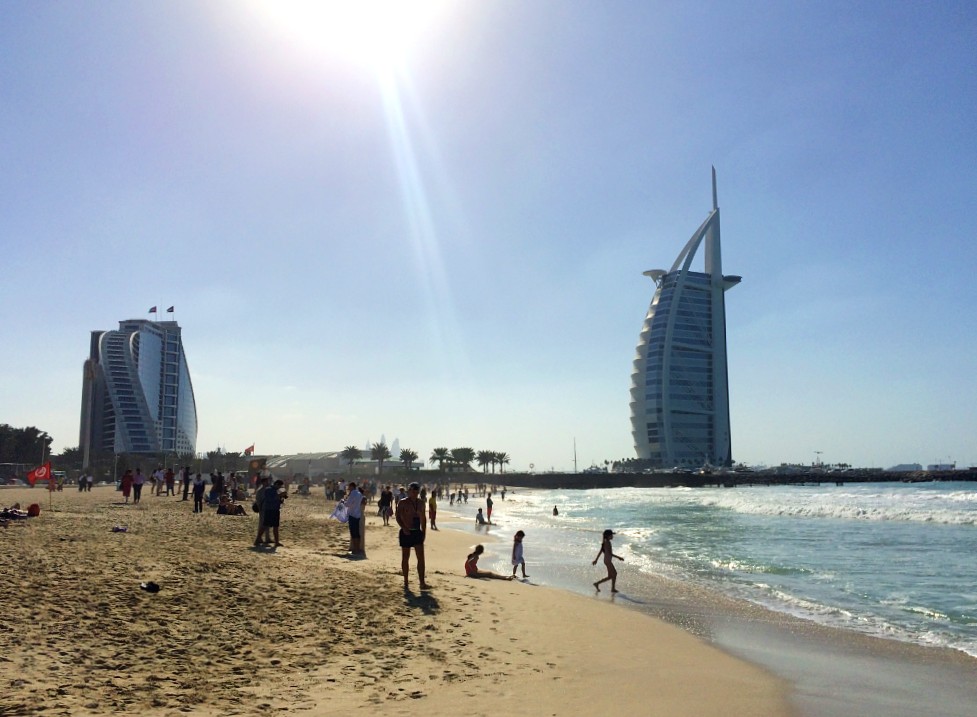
x: 377, y: 33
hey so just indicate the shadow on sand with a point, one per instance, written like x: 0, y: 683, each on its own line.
x: 424, y: 601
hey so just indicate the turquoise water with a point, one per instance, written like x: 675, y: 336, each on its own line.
x: 887, y: 559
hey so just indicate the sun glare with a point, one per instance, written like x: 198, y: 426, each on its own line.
x: 377, y: 33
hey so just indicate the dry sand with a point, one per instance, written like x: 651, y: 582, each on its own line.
x: 305, y: 629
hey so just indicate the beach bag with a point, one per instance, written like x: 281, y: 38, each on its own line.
x: 34, y: 510
x: 340, y: 513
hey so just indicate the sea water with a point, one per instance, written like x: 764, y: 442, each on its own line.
x: 886, y: 559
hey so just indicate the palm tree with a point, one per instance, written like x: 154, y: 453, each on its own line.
x: 351, y: 454
x: 379, y: 452
x: 440, y: 455
x: 484, y: 458
x: 465, y: 456
x: 502, y: 458
x: 407, y: 457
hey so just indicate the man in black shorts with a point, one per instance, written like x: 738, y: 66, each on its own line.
x: 413, y: 529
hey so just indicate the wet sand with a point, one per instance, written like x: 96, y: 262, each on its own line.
x: 832, y: 672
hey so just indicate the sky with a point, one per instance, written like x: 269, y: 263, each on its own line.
x: 433, y: 227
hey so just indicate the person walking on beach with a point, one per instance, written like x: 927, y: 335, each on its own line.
x: 354, y: 512
x: 271, y: 506
x: 185, y: 479
x: 605, y: 550
x: 517, y: 559
x: 384, y: 506
x: 488, y: 506
x: 259, y: 499
x: 471, y: 566
x: 126, y: 484
x: 89, y: 481
x: 170, y: 479
x: 413, y: 530
x: 198, y: 493
x: 432, y: 510
x: 138, y: 481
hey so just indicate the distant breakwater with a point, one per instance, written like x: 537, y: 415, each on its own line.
x: 587, y: 481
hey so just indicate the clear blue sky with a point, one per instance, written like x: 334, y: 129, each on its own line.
x: 446, y: 246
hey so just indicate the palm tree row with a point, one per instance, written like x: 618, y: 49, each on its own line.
x: 466, y: 456
x: 493, y: 458
x: 458, y: 456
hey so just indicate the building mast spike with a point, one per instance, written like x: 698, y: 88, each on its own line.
x: 715, y: 196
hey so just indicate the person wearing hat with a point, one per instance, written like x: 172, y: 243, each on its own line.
x: 605, y: 550
x: 413, y: 529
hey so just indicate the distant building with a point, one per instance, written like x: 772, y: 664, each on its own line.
x: 679, y: 386
x: 906, y: 468
x: 137, y: 396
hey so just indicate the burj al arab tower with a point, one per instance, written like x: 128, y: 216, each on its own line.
x: 679, y: 384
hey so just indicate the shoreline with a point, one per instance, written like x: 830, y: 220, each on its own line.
x: 833, y: 672
x: 305, y: 628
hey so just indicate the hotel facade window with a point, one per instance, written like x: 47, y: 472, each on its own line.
x: 679, y: 385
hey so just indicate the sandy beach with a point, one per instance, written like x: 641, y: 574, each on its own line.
x: 305, y: 629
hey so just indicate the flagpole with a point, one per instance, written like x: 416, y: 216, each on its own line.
x: 50, y: 478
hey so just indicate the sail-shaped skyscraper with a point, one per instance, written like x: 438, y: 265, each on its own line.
x: 679, y: 384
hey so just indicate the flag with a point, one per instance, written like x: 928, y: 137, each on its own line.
x: 169, y: 310
x: 249, y: 451
x: 152, y: 310
x: 42, y: 473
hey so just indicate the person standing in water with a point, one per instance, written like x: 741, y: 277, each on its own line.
x: 432, y: 510
x: 605, y: 550
x: 517, y: 558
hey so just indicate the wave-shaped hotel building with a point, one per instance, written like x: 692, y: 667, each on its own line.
x: 679, y: 384
x: 137, y: 396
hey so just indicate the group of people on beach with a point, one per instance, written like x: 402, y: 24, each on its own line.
x: 232, y: 487
x: 411, y: 520
x: 519, y: 561
x: 413, y: 509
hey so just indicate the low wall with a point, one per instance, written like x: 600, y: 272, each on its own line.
x: 584, y: 481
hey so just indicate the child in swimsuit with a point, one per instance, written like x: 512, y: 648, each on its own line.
x: 517, y: 559
x: 605, y: 550
x: 471, y: 567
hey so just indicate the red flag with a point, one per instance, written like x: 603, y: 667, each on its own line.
x: 42, y: 473
x: 152, y: 310
x: 249, y: 451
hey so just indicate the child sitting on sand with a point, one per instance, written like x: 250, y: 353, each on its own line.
x: 471, y: 567
x: 227, y: 508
